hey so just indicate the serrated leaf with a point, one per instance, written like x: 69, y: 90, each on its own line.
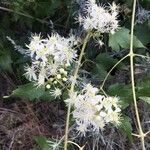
x: 146, y: 99
x: 125, y: 91
x: 42, y: 142
x: 143, y: 88
x: 28, y: 91
x: 99, y: 71
x: 121, y: 39
x: 126, y: 127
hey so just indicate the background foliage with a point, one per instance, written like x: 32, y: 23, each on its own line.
x: 19, y: 19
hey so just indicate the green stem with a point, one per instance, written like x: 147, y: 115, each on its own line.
x: 131, y: 54
x: 142, y: 56
x: 101, y: 87
x: 72, y: 88
x: 80, y: 148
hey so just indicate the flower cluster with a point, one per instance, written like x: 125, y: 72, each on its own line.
x: 93, y: 111
x: 51, y: 58
x: 99, y: 18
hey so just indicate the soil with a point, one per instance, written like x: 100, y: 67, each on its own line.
x: 21, y: 121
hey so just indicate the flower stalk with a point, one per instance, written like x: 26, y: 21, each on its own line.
x: 72, y: 87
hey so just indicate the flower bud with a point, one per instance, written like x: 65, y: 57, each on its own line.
x: 48, y: 86
x: 64, y: 79
x: 58, y: 76
x: 55, y: 82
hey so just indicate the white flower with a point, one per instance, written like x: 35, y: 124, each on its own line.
x: 99, y: 18
x: 72, y: 80
x: 35, y: 44
x: 54, y: 144
x: 102, y: 114
x: 79, y: 19
x: 106, y: 103
x: 93, y: 111
x: 117, y: 110
x: 81, y: 128
x: 50, y: 57
x: 40, y: 81
x: 56, y: 92
x: 53, y: 68
x: 41, y: 53
x: 114, y: 7
x: 72, y: 98
x: 41, y: 77
x: 90, y: 90
x: 30, y: 73
x: 114, y: 101
x: 98, y: 123
x: 99, y: 43
x: 113, y: 117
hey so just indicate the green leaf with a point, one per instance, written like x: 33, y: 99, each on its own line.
x: 99, y: 71
x: 42, y: 142
x: 143, y: 88
x: 121, y: 39
x: 129, y: 3
x: 28, y: 91
x: 142, y: 31
x: 126, y: 127
x: 103, y: 64
x: 48, y: 144
x: 47, y: 96
x: 106, y: 60
x: 146, y: 99
x: 6, y: 62
x: 123, y: 91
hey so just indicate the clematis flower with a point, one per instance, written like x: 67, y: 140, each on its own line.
x: 100, y: 18
x: 92, y: 111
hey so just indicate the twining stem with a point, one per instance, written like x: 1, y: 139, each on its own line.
x: 142, y: 56
x: 72, y: 88
x: 131, y: 54
x: 80, y: 148
x: 101, y: 87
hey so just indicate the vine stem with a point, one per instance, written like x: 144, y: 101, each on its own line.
x: 72, y: 88
x: 131, y: 54
x: 139, y: 55
x: 80, y: 148
x: 101, y: 87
